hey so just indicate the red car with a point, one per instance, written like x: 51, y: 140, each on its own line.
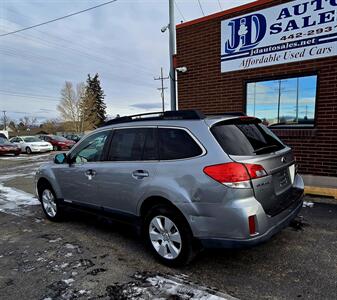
x: 7, y: 147
x: 58, y: 142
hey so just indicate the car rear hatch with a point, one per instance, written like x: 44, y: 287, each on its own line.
x: 246, y: 140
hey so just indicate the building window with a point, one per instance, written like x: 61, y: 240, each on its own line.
x: 287, y: 102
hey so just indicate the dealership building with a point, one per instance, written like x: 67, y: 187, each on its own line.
x: 276, y: 60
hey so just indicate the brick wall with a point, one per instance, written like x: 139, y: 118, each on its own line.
x: 204, y: 87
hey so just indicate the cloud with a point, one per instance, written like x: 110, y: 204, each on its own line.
x: 122, y: 42
x: 147, y: 105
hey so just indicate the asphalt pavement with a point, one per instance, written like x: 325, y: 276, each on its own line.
x: 86, y: 257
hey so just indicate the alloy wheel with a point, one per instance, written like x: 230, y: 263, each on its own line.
x: 49, y: 204
x: 165, y: 237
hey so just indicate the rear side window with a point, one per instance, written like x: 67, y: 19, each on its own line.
x: 246, y: 139
x: 133, y: 144
x: 177, y: 144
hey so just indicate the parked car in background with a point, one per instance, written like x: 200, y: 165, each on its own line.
x: 186, y: 179
x: 6, y: 147
x: 74, y: 137
x: 58, y: 142
x: 31, y: 144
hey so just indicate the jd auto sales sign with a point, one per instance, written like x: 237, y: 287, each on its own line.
x: 294, y: 31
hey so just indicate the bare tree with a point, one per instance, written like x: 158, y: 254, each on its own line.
x: 27, y: 122
x: 50, y: 126
x: 70, y: 106
x: 4, y: 120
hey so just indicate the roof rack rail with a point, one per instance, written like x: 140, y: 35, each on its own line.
x: 166, y: 115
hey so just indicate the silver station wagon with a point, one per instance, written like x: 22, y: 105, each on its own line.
x: 187, y: 181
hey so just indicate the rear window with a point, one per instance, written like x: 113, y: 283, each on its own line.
x: 177, y: 144
x: 246, y: 138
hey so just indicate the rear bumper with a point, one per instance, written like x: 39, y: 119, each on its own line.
x: 40, y: 150
x: 243, y: 243
x: 16, y: 152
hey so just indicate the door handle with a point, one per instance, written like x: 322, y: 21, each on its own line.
x: 140, y: 174
x: 90, y: 173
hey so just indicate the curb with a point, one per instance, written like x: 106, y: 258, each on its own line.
x: 329, y: 194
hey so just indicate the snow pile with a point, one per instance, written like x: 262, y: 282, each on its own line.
x: 13, y: 200
x: 308, y: 204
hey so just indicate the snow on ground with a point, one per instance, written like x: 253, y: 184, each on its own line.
x: 25, y: 157
x: 164, y: 287
x: 13, y: 201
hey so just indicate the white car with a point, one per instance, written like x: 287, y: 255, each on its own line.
x: 31, y: 144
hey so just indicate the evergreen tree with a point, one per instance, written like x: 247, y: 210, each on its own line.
x: 94, y: 108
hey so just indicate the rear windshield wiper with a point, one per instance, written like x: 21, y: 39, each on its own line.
x: 265, y: 148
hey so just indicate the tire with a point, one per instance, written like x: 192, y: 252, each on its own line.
x: 28, y: 150
x: 55, y: 148
x: 16, y: 154
x: 50, y: 204
x: 164, y: 242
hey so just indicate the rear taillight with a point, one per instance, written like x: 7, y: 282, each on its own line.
x: 235, y: 175
x: 255, y: 171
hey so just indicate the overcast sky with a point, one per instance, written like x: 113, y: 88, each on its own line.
x: 121, y: 41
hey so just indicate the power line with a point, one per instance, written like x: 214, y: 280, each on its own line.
x: 201, y: 7
x: 57, y: 19
x: 84, y: 48
x: 178, y: 9
x: 219, y: 5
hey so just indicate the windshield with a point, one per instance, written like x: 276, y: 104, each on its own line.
x: 4, y: 141
x: 59, y: 138
x: 31, y: 139
x: 246, y: 138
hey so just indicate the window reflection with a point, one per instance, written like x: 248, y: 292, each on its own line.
x: 288, y: 101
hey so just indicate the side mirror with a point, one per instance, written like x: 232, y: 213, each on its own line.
x: 60, y: 158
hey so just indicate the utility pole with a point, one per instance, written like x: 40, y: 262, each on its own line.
x: 297, y: 97
x: 172, y: 53
x: 5, y: 120
x: 162, y: 88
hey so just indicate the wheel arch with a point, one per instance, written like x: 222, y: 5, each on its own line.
x: 42, y: 182
x: 152, y: 201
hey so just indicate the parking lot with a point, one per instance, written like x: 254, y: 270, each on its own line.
x: 89, y: 257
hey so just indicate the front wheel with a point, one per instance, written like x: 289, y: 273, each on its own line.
x: 169, y: 237
x: 50, y: 204
x: 55, y: 148
x: 28, y: 150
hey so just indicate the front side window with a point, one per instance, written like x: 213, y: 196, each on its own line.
x: 91, y: 149
x: 177, y: 144
x: 288, y: 102
x: 133, y: 144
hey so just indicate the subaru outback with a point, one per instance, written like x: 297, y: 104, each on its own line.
x: 186, y: 180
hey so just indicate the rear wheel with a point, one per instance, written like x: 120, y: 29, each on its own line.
x: 169, y: 237
x: 28, y: 150
x: 50, y: 204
